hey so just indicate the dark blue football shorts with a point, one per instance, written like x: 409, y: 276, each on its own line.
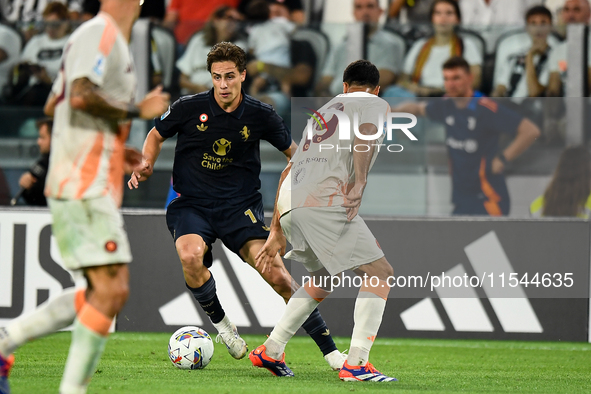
x: 233, y: 223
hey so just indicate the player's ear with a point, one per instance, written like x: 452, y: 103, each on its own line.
x: 345, y: 87
x: 376, y: 91
x: 243, y: 75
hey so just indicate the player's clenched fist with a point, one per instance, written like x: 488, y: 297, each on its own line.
x: 154, y: 104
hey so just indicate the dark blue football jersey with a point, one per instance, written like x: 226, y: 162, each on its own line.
x: 472, y: 139
x: 217, y: 153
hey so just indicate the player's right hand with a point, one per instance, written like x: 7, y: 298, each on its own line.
x: 140, y: 174
x: 266, y: 256
x: 154, y: 104
x: 27, y: 180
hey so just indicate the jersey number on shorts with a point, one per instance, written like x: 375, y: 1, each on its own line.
x: 250, y: 215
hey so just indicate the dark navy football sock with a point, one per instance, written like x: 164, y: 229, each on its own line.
x: 319, y: 332
x: 206, y: 297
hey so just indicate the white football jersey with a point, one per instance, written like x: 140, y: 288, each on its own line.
x: 322, y: 171
x: 86, y: 151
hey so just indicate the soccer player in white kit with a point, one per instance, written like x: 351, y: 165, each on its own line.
x: 92, y: 102
x: 316, y: 208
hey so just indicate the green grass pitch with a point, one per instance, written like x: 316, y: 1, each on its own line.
x: 138, y: 363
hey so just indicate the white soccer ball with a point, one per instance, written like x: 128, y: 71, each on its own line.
x: 190, y: 347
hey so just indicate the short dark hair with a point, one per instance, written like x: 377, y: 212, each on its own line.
x: 538, y: 10
x: 453, y: 3
x: 57, y: 8
x: 456, y: 62
x: 258, y: 11
x: 226, y: 51
x: 45, y: 121
x: 363, y: 73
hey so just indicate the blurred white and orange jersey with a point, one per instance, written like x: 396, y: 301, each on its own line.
x: 322, y: 174
x: 87, y: 152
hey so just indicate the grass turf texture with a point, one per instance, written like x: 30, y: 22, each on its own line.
x: 138, y: 363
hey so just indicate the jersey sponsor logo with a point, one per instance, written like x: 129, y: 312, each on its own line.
x: 164, y: 115
x: 299, y: 175
x: 245, y: 133
x: 111, y: 246
x: 203, y: 117
x: 469, y: 145
x: 202, y: 127
x: 222, y: 146
x: 99, y: 65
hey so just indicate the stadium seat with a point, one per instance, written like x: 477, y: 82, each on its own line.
x: 319, y: 42
x: 166, y: 52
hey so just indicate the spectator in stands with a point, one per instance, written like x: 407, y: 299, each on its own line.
x: 491, y: 18
x: 186, y: 17
x: 569, y: 191
x: 41, y: 58
x: 290, y: 9
x: 411, y: 11
x: 384, y: 49
x: 222, y: 26
x: 269, y: 46
x: 422, y: 66
x: 27, y: 12
x: 473, y: 125
x: 10, y: 47
x: 495, y: 12
x: 573, y: 12
x: 32, y: 182
x: 268, y: 38
x: 524, y: 73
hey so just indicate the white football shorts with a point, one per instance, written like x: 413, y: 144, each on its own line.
x: 322, y: 237
x: 89, y: 232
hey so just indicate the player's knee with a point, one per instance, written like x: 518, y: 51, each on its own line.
x: 191, y: 255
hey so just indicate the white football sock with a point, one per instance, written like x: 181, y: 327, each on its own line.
x: 224, y: 325
x: 89, y: 337
x: 369, y: 309
x: 51, y: 316
x: 298, y: 309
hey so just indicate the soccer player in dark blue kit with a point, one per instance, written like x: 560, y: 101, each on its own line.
x: 216, y: 171
x: 473, y: 124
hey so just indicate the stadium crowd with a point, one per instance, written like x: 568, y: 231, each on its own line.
x: 296, y: 48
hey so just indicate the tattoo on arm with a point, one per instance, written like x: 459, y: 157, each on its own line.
x: 88, y: 97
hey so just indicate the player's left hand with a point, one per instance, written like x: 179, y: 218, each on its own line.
x: 275, y: 243
x: 353, y: 200
x: 133, y: 158
x: 497, y: 166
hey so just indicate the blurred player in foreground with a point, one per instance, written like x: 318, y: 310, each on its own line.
x: 316, y: 208
x: 92, y: 103
x: 216, y: 172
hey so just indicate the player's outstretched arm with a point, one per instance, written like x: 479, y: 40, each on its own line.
x: 150, y: 153
x: 276, y: 241
x: 361, y: 164
x: 88, y: 97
